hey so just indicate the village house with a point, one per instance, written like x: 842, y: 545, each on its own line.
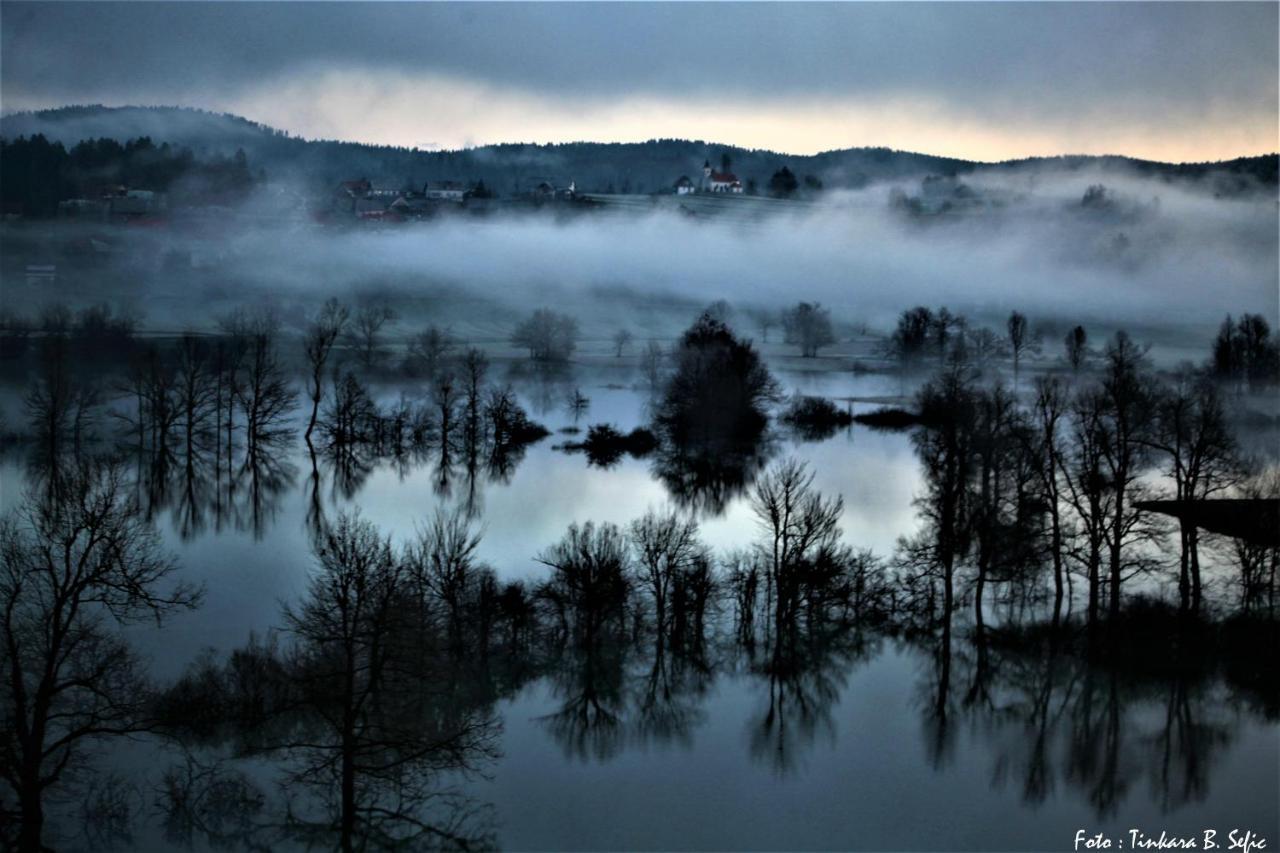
x: 361, y: 198
x: 548, y: 191
x: 444, y: 191
x: 684, y: 186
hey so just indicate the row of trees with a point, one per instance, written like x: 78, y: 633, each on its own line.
x: 36, y: 174
x: 1245, y: 353
x: 1058, y: 483
x: 355, y: 698
x: 922, y: 332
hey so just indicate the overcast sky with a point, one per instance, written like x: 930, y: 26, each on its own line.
x: 1178, y: 81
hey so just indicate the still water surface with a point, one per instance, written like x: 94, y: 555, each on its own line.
x: 857, y: 752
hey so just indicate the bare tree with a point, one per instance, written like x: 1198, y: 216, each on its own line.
x: 1075, y: 344
x: 442, y: 564
x: 59, y: 404
x: 445, y: 394
x: 1019, y: 338
x: 369, y: 321
x: 621, y: 340
x: 1049, y: 411
x: 1259, y: 562
x: 1088, y: 491
x: 798, y: 523
x: 982, y: 345
x: 318, y: 342
x: 588, y: 587
x: 196, y: 389
x: 946, y: 326
x: 266, y: 395
x: 473, y: 367
x: 947, y: 458
x: 350, y: 413
x: 765, y: 320
x: 577, y: 404
x: 352, y: 668
x: 427, y: 351
x: 1126, y: 431
x: 808, y: 325
x: 665, y: 545
x: 1192, y: 434
x: 547, y: 335
x: 653, y: 362
x: 911, y: 336
x: 72, y: 570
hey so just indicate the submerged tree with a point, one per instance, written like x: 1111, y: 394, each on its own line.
x: 258, y: 381
x: 1075, y: 344
x: 588, y: 587
x: 443, y: 565
x: 1245, y: 352
x: 547, y: 336
x: 355, y: 669
x: 1047, y: 449
x: 1126, y: 425
x: 1191, y: 433
x: 366, y: 331
x: 621, y: 340
x: 666, y: 546
x: 1018, y: 337
x: 801, y: 529
x: 317, y: 343
x: 946, y: 455
x: 711, y: 419
x: 911, y: 337
x: 428, y: 351
x: 60, y: 404
x: 719, y: 390
x: 73, y: 570
x: 808, y: 325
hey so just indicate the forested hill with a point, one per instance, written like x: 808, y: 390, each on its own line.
x: 621, y: 167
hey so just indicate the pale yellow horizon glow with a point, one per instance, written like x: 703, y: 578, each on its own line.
x: 434, y: 112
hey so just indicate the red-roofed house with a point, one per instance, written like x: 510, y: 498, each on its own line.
x: 719, y: 182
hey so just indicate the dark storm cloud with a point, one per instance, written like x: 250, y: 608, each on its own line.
x: 1000, y: 54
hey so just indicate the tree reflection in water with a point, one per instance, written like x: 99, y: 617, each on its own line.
x: 362, y: 704
x: 378, y: 695
x: 380, y: 691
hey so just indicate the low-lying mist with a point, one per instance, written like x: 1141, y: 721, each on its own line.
x: 1141, y: 253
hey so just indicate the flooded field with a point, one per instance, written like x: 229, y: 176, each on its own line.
x: 715, y: 739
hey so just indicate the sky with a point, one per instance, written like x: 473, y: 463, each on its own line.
x: 984, y: 81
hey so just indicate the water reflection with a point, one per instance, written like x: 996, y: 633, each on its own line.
x: 705, y: 477
x: 356, y: 723
x: 366, y: 714
x: 205, y: 491
x: 361, y: 704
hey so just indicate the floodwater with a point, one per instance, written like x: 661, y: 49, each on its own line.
x: 866, y: 744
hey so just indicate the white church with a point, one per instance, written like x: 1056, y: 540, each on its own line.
x: 719, y: 182
x: 712, y: 182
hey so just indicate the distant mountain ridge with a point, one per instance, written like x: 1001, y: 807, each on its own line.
x: 641, y: 167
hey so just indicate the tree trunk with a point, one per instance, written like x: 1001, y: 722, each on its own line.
x: 1058, y: 592
x: 1095, y: 582
x: 1184, y: 567
x: 1193, y: 546
x: 348, y: 793
x: 31, y: 827
x: 1117, y: 531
